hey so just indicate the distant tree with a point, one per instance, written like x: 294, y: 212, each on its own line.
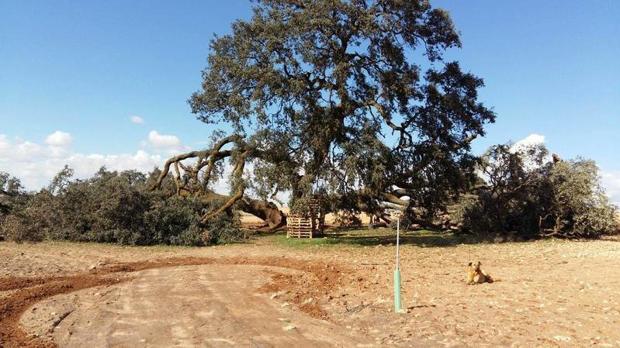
x: 10, y: 185
x: 12, y: 196
x: 61, y: 180
x: 10, y: 189
x: 349, y: 99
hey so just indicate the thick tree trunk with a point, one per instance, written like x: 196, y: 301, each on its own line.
x: 266, y: 211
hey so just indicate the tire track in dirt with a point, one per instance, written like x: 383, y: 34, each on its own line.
x: 30, y: 290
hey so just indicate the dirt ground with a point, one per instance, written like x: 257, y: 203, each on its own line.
x: 336, y: 291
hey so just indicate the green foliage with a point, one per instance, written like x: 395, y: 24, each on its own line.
x: 580, y: 207
x: 347, y: 95
x: 114, y: 207
x: 301, y: 243
x: 19, y: 228
x: 222, y: 230
x: 524, y: 195
x: 11, y: 193
x: 309, y: 205
x: 12, y: 198
x: 9, y: 185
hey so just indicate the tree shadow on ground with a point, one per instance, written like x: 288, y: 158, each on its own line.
x: 387, y: 236
x: 382, y: 236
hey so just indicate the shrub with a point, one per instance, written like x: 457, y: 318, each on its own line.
x: 525, y: 195
x: 19, y: 227
x: 114, y: 207
x: 12, y: 197
x: 580, y: 207
x: 174, y: 221
x: 223, y: 229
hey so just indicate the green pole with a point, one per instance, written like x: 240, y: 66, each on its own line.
x: 397, y: 302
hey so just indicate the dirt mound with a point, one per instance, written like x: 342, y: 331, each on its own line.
x: 319, y: 279
x: 13, y: 306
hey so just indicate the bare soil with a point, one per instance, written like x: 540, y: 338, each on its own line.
x: 325, y: 292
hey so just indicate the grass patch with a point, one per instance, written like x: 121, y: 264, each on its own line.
x: 300, y: 243
x: 369, y: 237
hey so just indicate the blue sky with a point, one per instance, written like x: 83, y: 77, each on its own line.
x: 83, y: 68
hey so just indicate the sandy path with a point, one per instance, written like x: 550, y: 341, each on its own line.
x: 550, y: 294
x: 212, y: 305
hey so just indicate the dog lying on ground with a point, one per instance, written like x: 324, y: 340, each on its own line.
x: 475, y: 275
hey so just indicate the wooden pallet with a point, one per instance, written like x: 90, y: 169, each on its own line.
x: 298, y: 227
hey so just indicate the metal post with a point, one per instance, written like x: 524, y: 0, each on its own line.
x: 398, y: 243
x: 397, y: 303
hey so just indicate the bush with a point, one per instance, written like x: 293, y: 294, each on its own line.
x: 117, y: 208
x: 223, y: 229
x: 526, y: 196
x: 175, y: 221
x: 20, y: 228
x: 12, y: 198
x: 580, y: 207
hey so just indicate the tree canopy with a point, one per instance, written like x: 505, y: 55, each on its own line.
x: 10, y: 191
x: 526, y: 193
x: 352, y: 99
x: 348, y: 100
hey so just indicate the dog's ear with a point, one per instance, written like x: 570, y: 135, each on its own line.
x: 478, y: 264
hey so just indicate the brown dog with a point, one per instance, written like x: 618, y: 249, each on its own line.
x: 475, y: 275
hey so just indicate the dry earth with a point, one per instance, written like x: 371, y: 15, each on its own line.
x: 328, y: 292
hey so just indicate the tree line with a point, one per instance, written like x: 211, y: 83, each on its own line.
x: 520, y: 193
x: 350, y: 101
x: 110, y: 207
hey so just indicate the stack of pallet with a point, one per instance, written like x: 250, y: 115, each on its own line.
x: 299, y: 227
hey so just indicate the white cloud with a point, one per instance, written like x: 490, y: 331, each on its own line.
x: 163, y: 141
x: 59, y: 139
x: 19, y: 149
x: 35, y: 164
x: 611, y: 182
x: 136, y: 119
x: 4, y: 143
x: 530, y: 140
x: 86, y: 165
x: 527, y: 143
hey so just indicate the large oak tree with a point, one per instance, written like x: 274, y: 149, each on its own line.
x: 352, y: 99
